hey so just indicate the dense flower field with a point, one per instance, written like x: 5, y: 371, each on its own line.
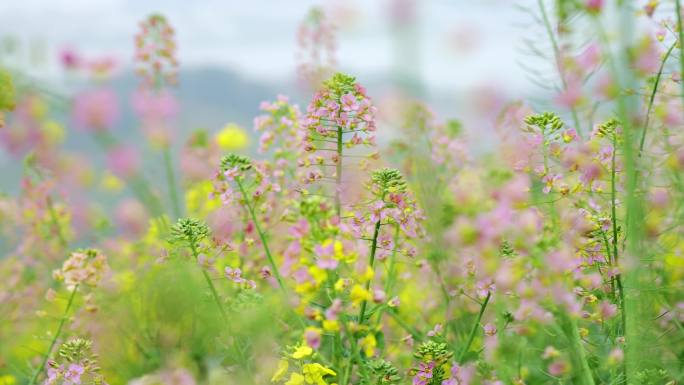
x: 555, y: 256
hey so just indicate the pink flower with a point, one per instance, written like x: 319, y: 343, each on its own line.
x: 313, y: 338
x: 123, y: 161
x: 234, y: 275
x: 349, y: 102
x: 558, y: 368
x: 70, y: 59
x: 424, y: 373
x: 437, y: 330
x: 155, y: 106
x: 590, y: 57
x: 73, y: 374
x: 571, y: 97
x: 95, y: 110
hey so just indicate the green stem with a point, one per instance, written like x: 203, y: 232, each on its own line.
x: 62, y: 321
x: 171, y: 182
x: 271, y: 260
x: 55, y: 221
x: 371, y: 262
x: 680, y: 31
x: 615, y: 260
x: 338, y: 173
x: 653, y: 95
x: 212, y: 288
x: 473, y: 330
x: 577, y: 354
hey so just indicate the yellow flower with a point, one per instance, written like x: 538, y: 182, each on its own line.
x: 111, y: 183
x: 368, y: 274
x: 295, y: 379
x: 302, y: 351
x: 283, y: 365
x: 341, y: 284
x: 54, y: 132
x: 368, y: 344
x: 319, y: 275
x: 359, y: 294
x: 331, y: 325
x: 232, y: 137
x: 7, y: 380
x: 197, y: 199
x: 314, y: 373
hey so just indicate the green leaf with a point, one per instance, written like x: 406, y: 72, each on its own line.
x: 6, y: 91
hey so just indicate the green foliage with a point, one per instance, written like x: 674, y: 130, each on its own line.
x: 75, y: 350
x: 234, y: 160
x: 433, y: 351
x: 340, y: 84
x: 608, y: 128
x: 189, y: 231
x: 384, y: 373
x: 388, y: 180
x: 545, y: 122
x: 7, y: 93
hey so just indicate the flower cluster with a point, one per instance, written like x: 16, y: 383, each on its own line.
x: 83, y: 267
x: 156, y: 51
x: 76, y: 364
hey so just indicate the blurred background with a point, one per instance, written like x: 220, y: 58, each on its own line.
x: 461, y: 57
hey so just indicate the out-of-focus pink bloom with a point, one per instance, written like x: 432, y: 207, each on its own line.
x: 558, y: 368
x: 590, y: 57
x: 102, y: 67
x: 123, y: 161
x: 648, y: 57
x: 437, y: 330
x: 95, y: 110
x: 155, y: 106
x: 571, y: 97
x: 313, y: 337
x: 607, y: 310
x: 460, y: 375
x: 70, y: 59
x: 594, y: 5
x: 131, y: 217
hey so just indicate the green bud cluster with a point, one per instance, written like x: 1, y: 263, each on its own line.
x: 190, y: 231
x: 234, y: 160
x: 388, y: 180
x: 546, y: 122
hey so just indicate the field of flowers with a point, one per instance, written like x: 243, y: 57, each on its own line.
x: 554, y: 254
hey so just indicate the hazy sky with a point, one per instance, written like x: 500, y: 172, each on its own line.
x: 462, y: 42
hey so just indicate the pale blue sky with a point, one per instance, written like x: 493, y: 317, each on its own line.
x: 257, y: 37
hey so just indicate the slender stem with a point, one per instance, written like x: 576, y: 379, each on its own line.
x: 680, y: 31
x: 62, y: 321
x: 613, y: 218
x: 55, y: 221
x: 577, y: 353
x: 338, y: 173
x: 271, y: 260
x: 391, y: 273
x: 476, y: 325
x: 171, y: 182
x: 371, y: 262
x: 212, y: 288
x: 653, y: 95
x: 557, y: 59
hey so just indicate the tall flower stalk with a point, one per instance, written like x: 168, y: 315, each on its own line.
x: 234, y: 168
